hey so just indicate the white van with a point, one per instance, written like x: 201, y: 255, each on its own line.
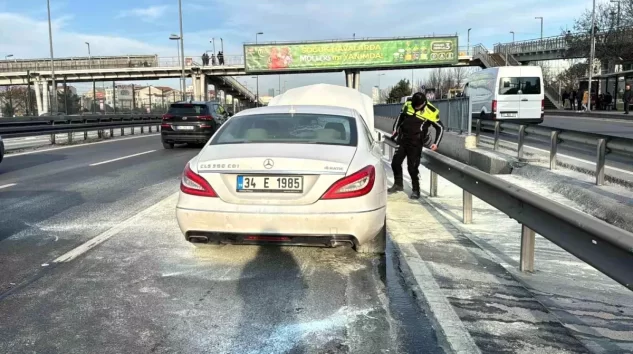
x: 507, y: 93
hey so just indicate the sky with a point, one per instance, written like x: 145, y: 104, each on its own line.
x: 118, y: 27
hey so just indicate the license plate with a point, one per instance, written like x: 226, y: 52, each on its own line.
x: 185, y: 127
x: 270, y: 184
x: 509, y: 115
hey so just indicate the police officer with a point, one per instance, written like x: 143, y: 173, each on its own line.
x: 411, y: 134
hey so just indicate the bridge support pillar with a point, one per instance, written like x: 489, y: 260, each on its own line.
x: 38, y: 97
x: 352, y: 79
x: 200, y: 92
x: 45, y: 98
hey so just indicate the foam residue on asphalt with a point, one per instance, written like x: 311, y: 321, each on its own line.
x: 576, y: 294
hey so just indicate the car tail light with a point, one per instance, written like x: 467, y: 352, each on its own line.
x: 205, y: 117
x: 542, y: 105
x: 494, y: 109
x: 352, y: 186
x: 167, y: 116
x: 165, y: 125
x: 194, y: 184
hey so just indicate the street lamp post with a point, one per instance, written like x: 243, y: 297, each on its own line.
x: 213, y: 42
x: 6, y: 58
x: 50, y: 43
x: 591, y: 53
x: 507, y: 47
x: 468, y: 42
x: 89, y: 55
x: 540, y: 18
x: 175, y: 37
x: 182, y: 51
x: 257, y: 77
x: 222, y: 45
x: 379, y: 92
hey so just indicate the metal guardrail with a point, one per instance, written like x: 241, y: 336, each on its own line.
x: 602, y: 143
x: 37, y: 126
x: 599, y: 244
x: 455, y: 113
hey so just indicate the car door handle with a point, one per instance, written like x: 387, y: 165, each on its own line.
x: 524, y: 100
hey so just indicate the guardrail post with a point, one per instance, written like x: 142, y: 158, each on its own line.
x: 150, y: 128
x: 70, y: 137
x: 497, y: 132
x: 433, y: 187
x: 526, y: 262
x: 53, y: 138
x: 467, y: 207
x: 122, y: 131
x: 521, y: 141
x: 85, y: 135
x: 132, y: 129
x: 553, y: 150
x: 142, y: 129
x: 478, y: 130
x: 600, y: 161
x: 99, y: 134
x: 111, y: 132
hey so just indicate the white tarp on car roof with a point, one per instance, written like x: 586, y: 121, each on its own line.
x: 329, y: 95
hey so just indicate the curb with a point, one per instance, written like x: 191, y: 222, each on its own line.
x: 452, y: 335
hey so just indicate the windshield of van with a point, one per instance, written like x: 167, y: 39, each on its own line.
x: 189, y: 109
x: 520, y: 85
x: 288, y: 128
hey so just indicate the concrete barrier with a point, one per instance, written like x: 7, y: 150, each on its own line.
x: 463, y: 148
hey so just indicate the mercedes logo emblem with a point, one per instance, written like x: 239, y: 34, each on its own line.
x: 184, y: 118
x: 268, y: 163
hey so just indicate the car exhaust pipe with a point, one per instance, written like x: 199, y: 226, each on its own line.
x: 198, y: 239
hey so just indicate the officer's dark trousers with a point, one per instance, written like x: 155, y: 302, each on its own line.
x: 413, y: 154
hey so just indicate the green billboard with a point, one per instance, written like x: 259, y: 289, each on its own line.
x: 370, y: 54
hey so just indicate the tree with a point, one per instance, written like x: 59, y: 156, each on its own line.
x: 461, y: 73
x: 401, y: 89
x: 7, y: 110
x: 614, y: 34
x: 571, y: 76
x: 69, y: 102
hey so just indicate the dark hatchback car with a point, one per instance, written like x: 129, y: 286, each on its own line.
x: 191, y: 122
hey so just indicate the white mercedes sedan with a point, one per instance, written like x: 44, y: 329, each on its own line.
x: 296, y: 175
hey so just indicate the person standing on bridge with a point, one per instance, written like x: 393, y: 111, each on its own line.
x: 411, y: 134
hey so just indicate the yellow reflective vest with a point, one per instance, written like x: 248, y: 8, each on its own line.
x: 430, y: 112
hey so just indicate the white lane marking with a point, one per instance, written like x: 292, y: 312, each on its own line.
x: 8, y: 185
x: 85, y: 247
x: 569, y: 157
x: 81, y: 145
x: 121, y: 158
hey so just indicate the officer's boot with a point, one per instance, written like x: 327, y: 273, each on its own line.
x: 415, y: 194
x: 397, y: 185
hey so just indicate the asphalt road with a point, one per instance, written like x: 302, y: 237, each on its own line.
x: 128, y: 282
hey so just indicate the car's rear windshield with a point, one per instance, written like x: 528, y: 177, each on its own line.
x: 188, y: 109
x: 520, y: 85
x: 288, y: 128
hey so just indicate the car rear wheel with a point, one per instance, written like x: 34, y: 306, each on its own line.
x: 377, y: 245
x: 168, y: 145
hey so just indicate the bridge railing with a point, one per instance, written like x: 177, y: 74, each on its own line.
x: 110, y: 63
x: 79, y: 63
x: 454, y: 113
